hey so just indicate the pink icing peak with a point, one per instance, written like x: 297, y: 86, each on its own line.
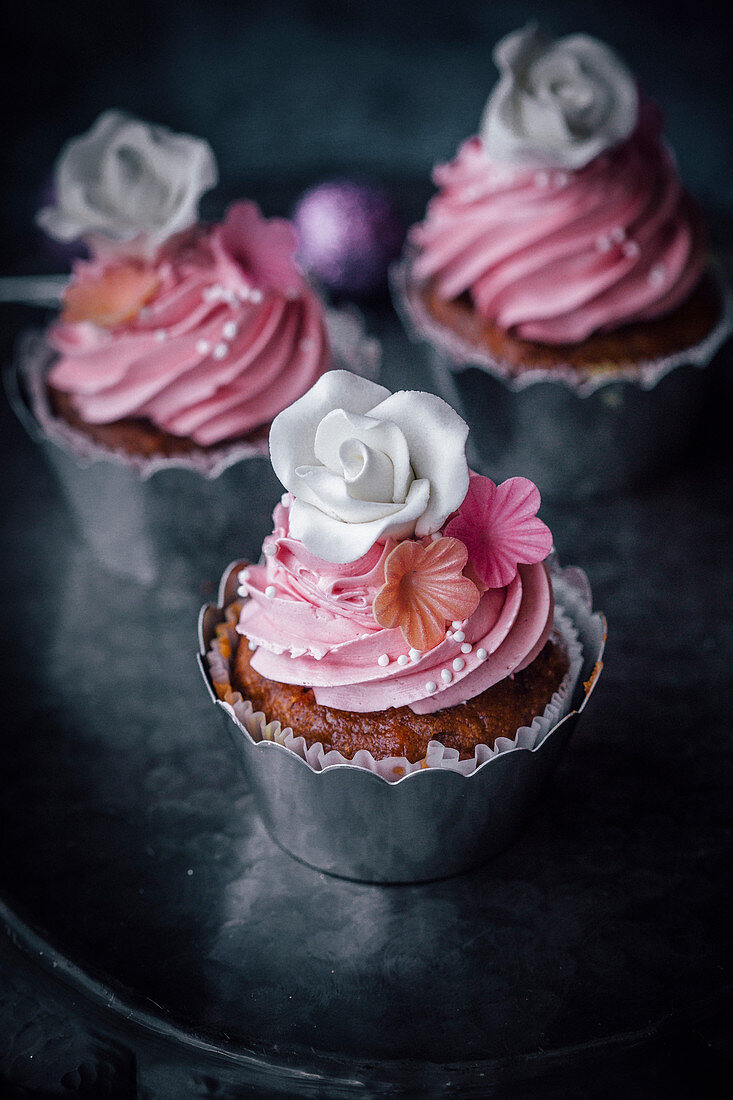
x: 311, y: 622
x: 499, y: 526
x: 346, y: 591
x: 553, y: 256
x: 231, y: 336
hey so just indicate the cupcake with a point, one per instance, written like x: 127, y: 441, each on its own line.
x: 402, y: 626
x: 177, y: 342
x: 562, y: 246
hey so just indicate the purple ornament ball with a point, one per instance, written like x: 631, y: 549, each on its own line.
x: 349, y: 232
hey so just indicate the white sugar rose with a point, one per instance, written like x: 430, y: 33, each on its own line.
x: 364, y: 464
x: 557, y: 103
x: 126, y: 180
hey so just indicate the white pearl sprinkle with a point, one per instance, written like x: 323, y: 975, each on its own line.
x: 466, y: 647
x: 603, y: 244
x: 481, y: 653
x: 270, y: 591
x: 203, y: 347
x: 446, y: 675
x: 229, y: 297
x: 560, y: 179
x: 657, y: 275
x: 415, y: 655
x: 435, y: 536
x: 255, y: 295
x: 542, y: 179
x: 229, y: 330
x: 458, y: 636
x: 631, y: 249
x: 403, y: 659
x: 618, y: 234
x: 161, y: 335
x: 459, y: 664
x: 211, y: 293
x: 449, y: 633
x: 242, y: 591
x: 220, y: 351
x: 457, y: 624
x: 383, y: 660
x: 252, y: 645
x: 243, y: 576
x: 431, y: 686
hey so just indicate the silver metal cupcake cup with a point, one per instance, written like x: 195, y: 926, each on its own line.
x: 574, y: 435
x: 149, y: 518
x: 433, y: 823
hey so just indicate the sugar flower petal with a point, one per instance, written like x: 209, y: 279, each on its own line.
x: 558, y: 102
x: 263, y: 247
x: 116, y: 296
x: 125, y: 180
x: 424, y: 589
x: 365, y: 465
x: 500, y: 528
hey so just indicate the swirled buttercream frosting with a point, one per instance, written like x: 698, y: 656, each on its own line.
x: 311, y: 622
x: 207, y: 340
x: 554, y: 254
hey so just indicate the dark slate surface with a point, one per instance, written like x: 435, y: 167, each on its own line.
x: 131, y: 846
x: 595, y: 956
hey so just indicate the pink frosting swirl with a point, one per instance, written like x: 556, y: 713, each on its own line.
x: 312, y: 624
x: 232, y: 335
x: 553, y: 256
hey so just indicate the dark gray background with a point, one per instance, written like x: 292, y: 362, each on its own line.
x: 614, y: 908
x: 288, y: 91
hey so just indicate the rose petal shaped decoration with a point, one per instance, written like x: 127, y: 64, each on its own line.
x: 127, y: 182
x: 558, y: 102
x: 332, y: 450
x: 500, y: 528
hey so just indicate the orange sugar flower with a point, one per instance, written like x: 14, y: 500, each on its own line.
x: 424, y: 588
x: 116, y: 296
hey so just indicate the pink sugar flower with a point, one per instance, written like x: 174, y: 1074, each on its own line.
x: 500, y: 528
x: 111, y: 298
x: 263, y: 247
x: 424, y: 588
